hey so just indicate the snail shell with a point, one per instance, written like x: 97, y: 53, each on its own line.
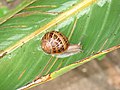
x: 54, y: 43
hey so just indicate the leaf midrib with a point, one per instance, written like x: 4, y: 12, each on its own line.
x: 80, y: 6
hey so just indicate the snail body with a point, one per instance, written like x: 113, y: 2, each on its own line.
x: 56, y: 44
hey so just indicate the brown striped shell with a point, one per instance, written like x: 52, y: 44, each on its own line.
x: 54, y: 42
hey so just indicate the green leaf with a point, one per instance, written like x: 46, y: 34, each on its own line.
x: 11, y: 12
x: 101, y: 57
x: 93, y: 24
x: 3, y: 9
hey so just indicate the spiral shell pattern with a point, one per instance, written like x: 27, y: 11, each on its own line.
x: 54, y: 42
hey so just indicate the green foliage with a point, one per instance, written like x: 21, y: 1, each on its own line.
x: 18, y: 8
x: 3, y: 10
x: 96, y: 27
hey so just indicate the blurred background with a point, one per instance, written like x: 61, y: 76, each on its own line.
x: 95, y: 75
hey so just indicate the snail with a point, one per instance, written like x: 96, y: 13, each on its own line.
x: 56, y: 44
